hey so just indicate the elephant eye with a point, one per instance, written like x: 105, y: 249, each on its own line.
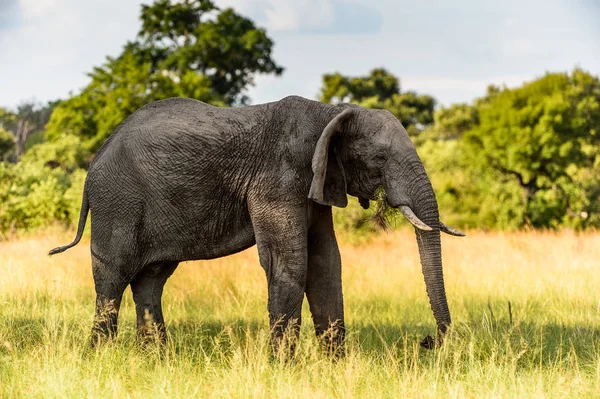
x: 380, y: 159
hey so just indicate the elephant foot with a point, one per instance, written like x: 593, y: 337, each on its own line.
x: 100, y: 338
x: 152, y: 334
x: 332, y: 341
x: 429, y: 343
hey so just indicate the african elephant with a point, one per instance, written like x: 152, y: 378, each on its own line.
x: 182, y: 180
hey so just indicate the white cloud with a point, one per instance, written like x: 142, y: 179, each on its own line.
x: 440, y: 83
x: 282, y: 17
x: 307, y: 14
x: 34, y: 8
x: 511, y: 21
x: 244, y: 7
x: 278, y: 15
x: 525, y: 47
x: 56, y: 42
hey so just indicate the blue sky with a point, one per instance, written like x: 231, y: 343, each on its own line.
x: 449, y: 49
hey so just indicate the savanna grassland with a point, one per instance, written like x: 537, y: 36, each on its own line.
x: 218, y: 330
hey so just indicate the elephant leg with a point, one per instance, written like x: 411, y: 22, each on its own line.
x: 109, y: 292
x: 281, y: 242
x: 324, y: 282
x: 147, y: 288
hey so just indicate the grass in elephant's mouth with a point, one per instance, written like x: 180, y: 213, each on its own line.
x: 217, y: 323
x: 383, y: 214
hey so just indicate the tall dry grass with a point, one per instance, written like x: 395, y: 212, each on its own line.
x: 217, y: 323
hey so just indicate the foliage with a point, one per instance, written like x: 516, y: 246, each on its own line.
x: 452, y: 122
x: 338, y: 88
x: 118, y: 88
x: 28, y: 120
x: 355, y: 224
x: 32, y: 197
x: 467, y: 197
x: 544, y: 137
x: 7, y: 143
x: 381, y: 90
x: 184, y: 49
x: 7, y: 140
x: 67, y: 153
x: 45, y: 186
x: 519, y: 157
x: 228, y: 49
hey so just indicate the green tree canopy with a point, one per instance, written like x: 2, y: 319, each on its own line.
x: 527, y: 156
x: 543, y: 136
x: 24, y: 128
x: 184, y: 49
x: 118, y: 88
x: 7, y: 142
x: 338, y: 88
x: 380, y: 89
x: 228, y: 49
x: 453, y: 121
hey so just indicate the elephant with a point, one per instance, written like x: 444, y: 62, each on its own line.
x: 182, y: 180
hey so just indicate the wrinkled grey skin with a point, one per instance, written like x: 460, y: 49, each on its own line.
x: 181, y: 180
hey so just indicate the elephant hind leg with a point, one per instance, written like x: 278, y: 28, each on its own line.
x: 147, y: 288
x: 109, y: 292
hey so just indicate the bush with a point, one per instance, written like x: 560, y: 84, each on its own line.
x: 470, y: 197
x: 44, y: 187
x: 354, y: 223
x: 7, y: 144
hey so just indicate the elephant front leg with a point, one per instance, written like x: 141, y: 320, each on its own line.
x: 282, y: 250
x: 286, y: 293
x: 324, y: 283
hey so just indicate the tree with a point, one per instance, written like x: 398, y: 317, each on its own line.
x: 184, y: 49
x: 415, y: 111
x: 338, y: 88
x: 380, y: 89
x: 118, y: 88
x: 452, y: 122
x: 29, y: 119
x: 7, y: 142
x: 543, y: 136
x: 228, y: 49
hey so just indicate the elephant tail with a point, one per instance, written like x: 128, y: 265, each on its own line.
x: 81, y: 226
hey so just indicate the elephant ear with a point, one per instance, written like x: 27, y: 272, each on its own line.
x: 328, y: 185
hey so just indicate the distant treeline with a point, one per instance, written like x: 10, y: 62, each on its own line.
x: 514, y: 158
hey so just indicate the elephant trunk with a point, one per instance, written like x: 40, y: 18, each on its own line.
x: 431, y: 265
x: 430, y: 251
x: 419, y: 194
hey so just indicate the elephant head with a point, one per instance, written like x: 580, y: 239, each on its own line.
x: 361, y: 150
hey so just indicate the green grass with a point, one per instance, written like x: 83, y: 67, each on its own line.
x: 218, y: 330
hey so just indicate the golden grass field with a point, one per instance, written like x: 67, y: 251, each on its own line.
x: 217, y: 323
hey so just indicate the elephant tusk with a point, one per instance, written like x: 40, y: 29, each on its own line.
x: 410, y: 215
x: 451, y: 231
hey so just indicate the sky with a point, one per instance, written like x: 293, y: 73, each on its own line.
x: 449, y: 49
